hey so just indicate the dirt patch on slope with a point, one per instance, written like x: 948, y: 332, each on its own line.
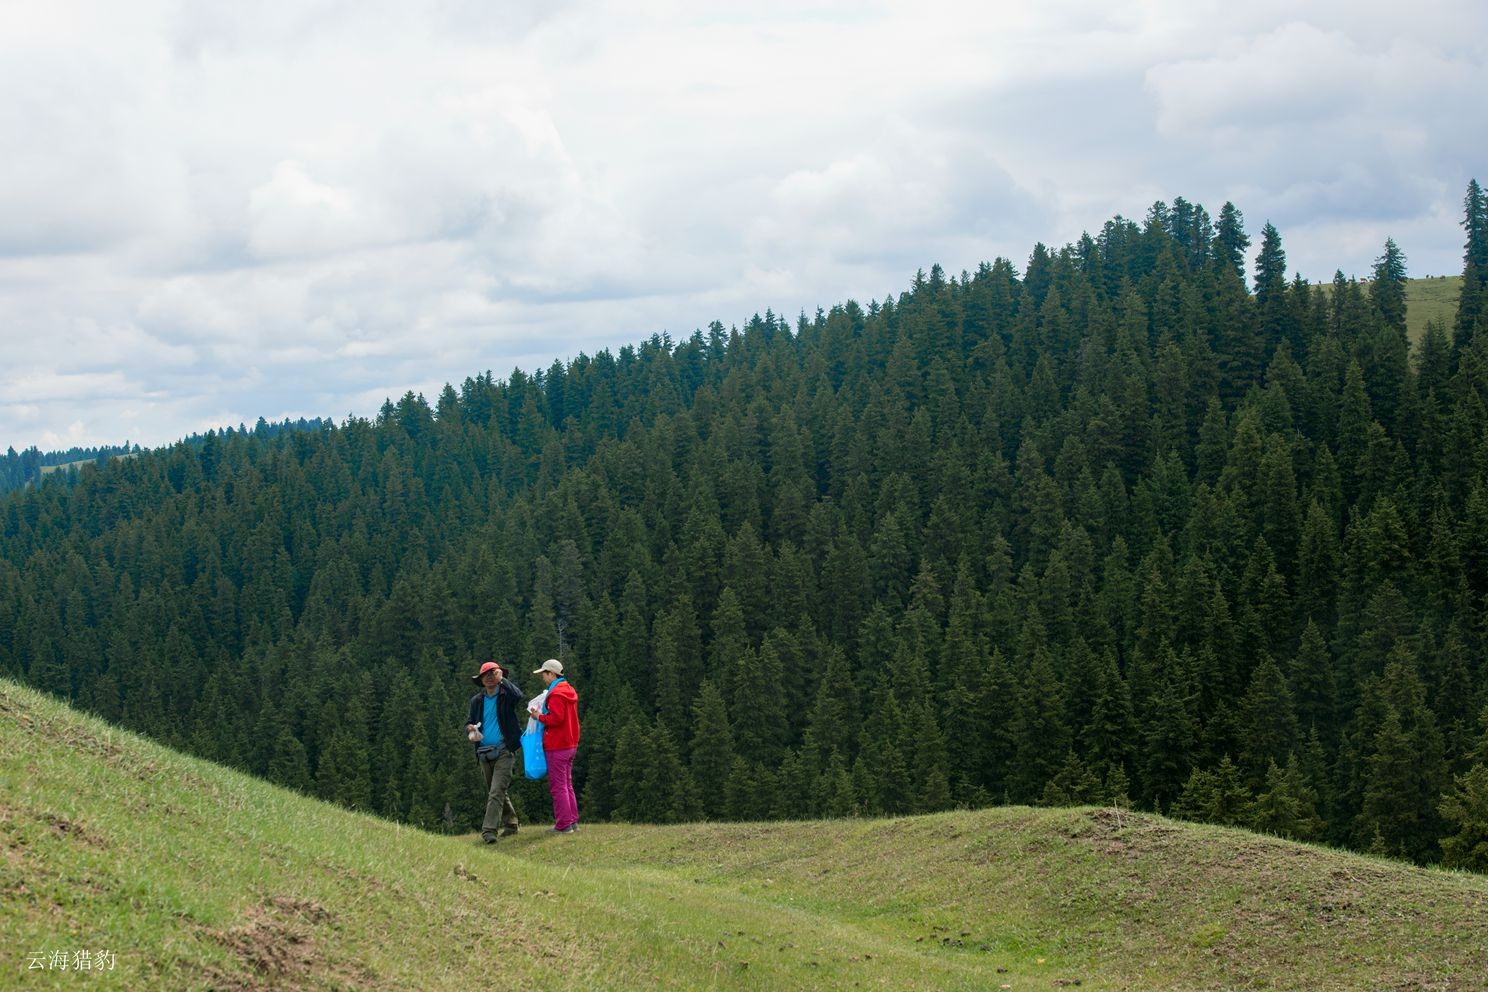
x: 279, y: 943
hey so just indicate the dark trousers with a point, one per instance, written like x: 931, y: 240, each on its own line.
x: 499, y: 809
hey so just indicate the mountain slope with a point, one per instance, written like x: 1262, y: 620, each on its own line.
x: 193, y: 876
x: 1432, y: 298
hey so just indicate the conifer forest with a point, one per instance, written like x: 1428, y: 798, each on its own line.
x: 1136, y: 522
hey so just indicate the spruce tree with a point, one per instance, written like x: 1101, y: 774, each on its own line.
x: 343, y: 774
x: 1280, y: 521
x: 1465, y: 809
x: 1313, y: 682
x: 1354, y: 418
x: 1405, y: 771
x: 1110, y: 736
x: 633, y: 640
x: 1167, y: 748
x: 1319, y: 558
x: 758, y: 710
x: 1217, y: 796
x: 835, y: 790
x: 669, y: 793
x: 1273, y: 312
x: 1474, y: 295
x: 712, y: 750
x: 1388, y: 821
x: 996, y: 712
x: 1042, y: 738
x: 1269, y: 723
x: 930, y: 760
x: 677, y: 650
x: 1072, y: 785
x: 1387, y: 289
x: 834, y: 723
x: 1287, y: 806
x: 289, y: 766
x: 1230, y: 241
x: 882, y: 770
x: 633, y: 761
x: 749, y: 791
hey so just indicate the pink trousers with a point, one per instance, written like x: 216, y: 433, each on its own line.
x: 560, y: 784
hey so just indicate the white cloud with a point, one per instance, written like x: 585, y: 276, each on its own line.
x: 1303, y: 75
x: 293, y: 215
x: 217, y: 211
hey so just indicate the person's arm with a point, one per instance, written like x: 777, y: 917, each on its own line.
x: 516, y: 692
x: 473, y: 720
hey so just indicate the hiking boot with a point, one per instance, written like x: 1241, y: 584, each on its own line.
x: 508, y: 830
x: 489, y: 836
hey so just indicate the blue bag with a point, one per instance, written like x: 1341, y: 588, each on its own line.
x: 534, y: 761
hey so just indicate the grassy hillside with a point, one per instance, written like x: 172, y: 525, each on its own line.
x: 1434, y: 298
x: 192, y: 876
x: 49, y: 469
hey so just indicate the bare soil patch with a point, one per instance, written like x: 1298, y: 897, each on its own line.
x: 278, y: 945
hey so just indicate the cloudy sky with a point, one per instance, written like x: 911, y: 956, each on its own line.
x: 211, y: 212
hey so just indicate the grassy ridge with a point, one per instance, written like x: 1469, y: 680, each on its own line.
x: 196, y: 877
x: 1431, y: 299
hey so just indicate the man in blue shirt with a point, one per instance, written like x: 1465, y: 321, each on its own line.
x: 492, y: 725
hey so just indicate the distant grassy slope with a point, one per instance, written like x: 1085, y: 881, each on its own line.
x: 1434, y: 298
x: 1431, y: 299
x: 197, y: 877
x: 49, y: 469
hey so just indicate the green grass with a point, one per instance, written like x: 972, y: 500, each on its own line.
x: 195, y: 876
x: 1431, y: 299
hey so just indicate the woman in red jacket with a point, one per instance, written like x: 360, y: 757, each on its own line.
x: 560, y: 720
